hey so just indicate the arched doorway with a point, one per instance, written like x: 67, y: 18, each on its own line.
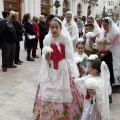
x: 79, y: 10
x: 65, y: 6
x: 45, y: 7
x: 13, y: 5
x: 89, y: 10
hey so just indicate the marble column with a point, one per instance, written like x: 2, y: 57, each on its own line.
x: 26, y: 6
x: 37, y: 7
x: 1, y: 7
x: 22, y: 9
x: 60, y: 9
x: 31, y: 8
x: 75, y: 8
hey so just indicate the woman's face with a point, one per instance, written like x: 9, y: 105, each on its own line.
x: 90, y: 21
x: 105, y: 26
x: 68, y: 18
x: 42, y: 19
x: 55, y: 28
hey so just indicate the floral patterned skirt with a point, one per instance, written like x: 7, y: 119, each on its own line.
x: 59, y: 111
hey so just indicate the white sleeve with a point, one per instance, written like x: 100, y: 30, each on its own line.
x: 45, y: 41
x: 69, y: 55
x: 74, y: 33
x: 80, y: 84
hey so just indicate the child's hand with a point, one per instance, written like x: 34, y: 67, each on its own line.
x: 92, y: 92
x: 82, y: 73
x: 80, y: 69
x: 47, y: 56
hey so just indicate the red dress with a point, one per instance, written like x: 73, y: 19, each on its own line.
x: 36, y: 28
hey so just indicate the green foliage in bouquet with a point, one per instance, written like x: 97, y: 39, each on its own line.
x: 84, y: 62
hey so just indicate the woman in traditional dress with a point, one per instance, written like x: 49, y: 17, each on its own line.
x: 57, y: 97
x: 112, y: 33
x: 72, y: 28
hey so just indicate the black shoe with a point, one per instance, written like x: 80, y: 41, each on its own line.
x: 18, y: 63
x: 29, y: 59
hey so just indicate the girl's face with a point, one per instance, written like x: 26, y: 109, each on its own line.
x: 68, y: 18
x: 105, y: 26
x: 80, y: 49
x: 91, y: 71
x: 55, y: 28
x: 89, y: 21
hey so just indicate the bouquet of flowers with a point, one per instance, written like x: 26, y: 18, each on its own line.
x: 79, y: 61
x: 91, y: 83
x: 93, y: 57
x: 89, y: 35
x: 95, y: 46
x: 47, y: 49
x: 80, y: 40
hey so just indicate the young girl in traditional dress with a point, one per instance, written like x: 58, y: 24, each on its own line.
x: 80, y: 53
x: 98, y: 108
x: 72, y: 28
x: 57, y: 98
x: 112, y: 33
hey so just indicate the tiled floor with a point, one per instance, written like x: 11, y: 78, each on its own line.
x: 18, y: 87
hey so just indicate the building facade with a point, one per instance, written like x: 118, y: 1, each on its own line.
x: 111, y: 7
x: 45, y: 7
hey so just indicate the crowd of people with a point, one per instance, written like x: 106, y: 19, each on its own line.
x: 80, y: 62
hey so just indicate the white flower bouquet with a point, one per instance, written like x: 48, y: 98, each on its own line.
x: 80, y: 40
x: 47, y: 49
x: 93, y: 84
x: 93, y: 57
x: 78, y: 61
x: 89, y: 35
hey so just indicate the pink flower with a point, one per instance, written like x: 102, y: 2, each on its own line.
x: 67, y: 117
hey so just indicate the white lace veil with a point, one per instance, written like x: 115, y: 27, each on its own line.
x: 72, y: 29
x: 49, y: 38
x: 63, y: 31
x: 72, y: 20
x: 102, y: 95
x: 113, y: 30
